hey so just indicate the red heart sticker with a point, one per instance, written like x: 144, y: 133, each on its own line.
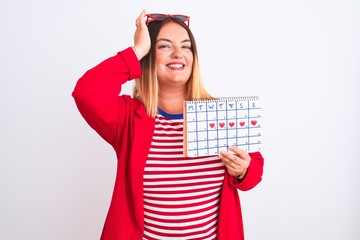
x: 231, y: 124
x: 242, y: 124
x: 253, y: 122
x: 212, y: 125
x: 222, y: 124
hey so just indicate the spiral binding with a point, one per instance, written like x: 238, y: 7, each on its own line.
x: 220, y: 99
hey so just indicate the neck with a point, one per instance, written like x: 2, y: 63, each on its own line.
x: 172, y: 101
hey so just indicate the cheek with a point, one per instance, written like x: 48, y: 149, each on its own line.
x: 190, y: 60
x: 160, y: 58
x: 160, y: 68
x: 190, y: 66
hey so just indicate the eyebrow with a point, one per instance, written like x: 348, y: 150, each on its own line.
x: 168, y: 40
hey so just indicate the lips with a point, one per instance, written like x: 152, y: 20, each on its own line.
x: 176, y: 66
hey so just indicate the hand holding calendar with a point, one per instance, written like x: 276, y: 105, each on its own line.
x: 237, y: 163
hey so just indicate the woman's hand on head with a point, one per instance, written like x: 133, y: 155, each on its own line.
x: 142, y: 42
x: 237, y: 163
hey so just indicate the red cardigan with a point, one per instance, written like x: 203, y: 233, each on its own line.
x: 122, y: 121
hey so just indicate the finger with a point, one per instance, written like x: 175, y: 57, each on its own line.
x: 139, y: 19
x: 244, y: 158
x: 232, y: 166
x: 227, y: 157
x: 241, y: 153
x: 234, y: 170
x: 142, y: 41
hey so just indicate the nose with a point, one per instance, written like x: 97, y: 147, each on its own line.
x: 177, y: 54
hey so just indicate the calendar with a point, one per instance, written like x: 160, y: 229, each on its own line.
x: 213, y: 125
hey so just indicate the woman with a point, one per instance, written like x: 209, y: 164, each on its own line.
x: 159, y: 193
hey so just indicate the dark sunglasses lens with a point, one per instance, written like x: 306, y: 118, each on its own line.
x: 158, y: 16
x: 181, y: 18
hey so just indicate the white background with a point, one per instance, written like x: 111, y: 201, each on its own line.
x: 301, y: 57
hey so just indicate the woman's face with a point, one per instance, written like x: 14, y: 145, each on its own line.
x: 174, y: 58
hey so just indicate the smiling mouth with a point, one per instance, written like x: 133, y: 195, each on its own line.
x: 176, y: 66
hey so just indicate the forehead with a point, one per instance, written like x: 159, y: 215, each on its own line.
x: 173, y: 31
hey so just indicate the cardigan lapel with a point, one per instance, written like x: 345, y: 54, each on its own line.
x: 143, y: 133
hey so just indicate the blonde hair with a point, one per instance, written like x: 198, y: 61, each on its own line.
x: 146, y: 87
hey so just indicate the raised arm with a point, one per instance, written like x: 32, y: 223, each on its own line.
x: 97, y: 92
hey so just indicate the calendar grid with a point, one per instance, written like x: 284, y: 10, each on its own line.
x: 207, y: 132
x: 227, y: 124
x: 248, y: 123
x: 237, y: 127
x: 197, y: 132
x: 217, y: 133
x: 213, y: 125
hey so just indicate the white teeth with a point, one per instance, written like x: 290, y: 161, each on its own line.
x: 176, y: 65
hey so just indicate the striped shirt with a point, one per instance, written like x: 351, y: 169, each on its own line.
x: 181, y: 194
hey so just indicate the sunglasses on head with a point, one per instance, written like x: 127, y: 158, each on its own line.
x: 160, y: 17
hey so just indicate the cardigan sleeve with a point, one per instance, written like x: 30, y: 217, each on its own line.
x: 253, y: 175
x: 96, y: 93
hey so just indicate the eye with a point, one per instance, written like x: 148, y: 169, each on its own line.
x: 164, y: 45
x: 186, y: 47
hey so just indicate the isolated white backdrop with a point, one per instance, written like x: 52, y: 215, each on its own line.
x: 301, y: 57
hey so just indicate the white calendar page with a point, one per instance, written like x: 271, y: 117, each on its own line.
x: 213, y: 125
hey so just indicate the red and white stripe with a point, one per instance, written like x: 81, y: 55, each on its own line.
x: 181, y: 195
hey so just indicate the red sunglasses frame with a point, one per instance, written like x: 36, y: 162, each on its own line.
x: 161, y: 17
